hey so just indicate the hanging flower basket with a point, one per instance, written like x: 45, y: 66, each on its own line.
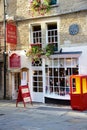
x: 49, y: 49
x: 40, y: 6
x: 35, y: 51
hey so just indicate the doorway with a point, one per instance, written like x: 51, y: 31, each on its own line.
x: 19, y: 77
x: 16, y: 81
x: 37, y: 85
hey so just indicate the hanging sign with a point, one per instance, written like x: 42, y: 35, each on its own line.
x: 23, y: 95
x: 14, y: 61
x: 11, y: 33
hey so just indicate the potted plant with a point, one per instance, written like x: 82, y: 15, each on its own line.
x: 40, y: 6
x: 34, y: 51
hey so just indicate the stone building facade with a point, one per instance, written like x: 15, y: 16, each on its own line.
x: 67, y: 21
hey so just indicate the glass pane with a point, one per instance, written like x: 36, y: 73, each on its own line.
x: 51, y: 81
x: 61, y: 72
x: 35, y: 89
x: 40, y: 84
x: 61, y: 62
x: 74, y: 62
x: 68, y: 71
x: 53, y: 2
x: 50, y: 71
x: 68, y: 62
x: 40, y: 89
x: 39, y: 78
x: 74, y: 70
x: 55, y: 62
x: 34, y: 83
x: 56, y: 72
x: 55, y: 81
x: 73, y: 85
x: 40, y: 73
x: 34, y: 78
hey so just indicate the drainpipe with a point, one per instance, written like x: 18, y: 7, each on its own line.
x: 4, y: 54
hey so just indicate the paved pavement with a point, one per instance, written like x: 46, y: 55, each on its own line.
x: 40, y: 117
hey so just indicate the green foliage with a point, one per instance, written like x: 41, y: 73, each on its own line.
x: 49, y: 49
x: 35, y: 52
x: 40, y: 7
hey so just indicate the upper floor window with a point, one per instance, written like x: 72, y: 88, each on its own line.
x: 53, y: 2
x: 36, y: 33
x: 52, y: 36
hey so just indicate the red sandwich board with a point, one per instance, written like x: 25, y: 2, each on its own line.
x: 23, y: 95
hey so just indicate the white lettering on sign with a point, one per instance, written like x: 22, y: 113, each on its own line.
x: 25, y: 90
x: 26, y: 99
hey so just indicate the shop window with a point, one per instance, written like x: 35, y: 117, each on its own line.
x: 58, y: 77
x: 37, y: 81
x: 52, y: 36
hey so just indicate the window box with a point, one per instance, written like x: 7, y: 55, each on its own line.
x: 36, y: 44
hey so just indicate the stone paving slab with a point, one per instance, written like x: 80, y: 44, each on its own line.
x: 40, y: 117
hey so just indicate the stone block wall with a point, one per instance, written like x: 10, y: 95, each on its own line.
x: 1, y: 10
x: 79, y: 18
x: 21, y: 9
x: 23, y: 35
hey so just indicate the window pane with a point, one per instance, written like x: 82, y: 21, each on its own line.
x: 53, y: 2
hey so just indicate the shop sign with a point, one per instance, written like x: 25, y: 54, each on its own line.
x: 23, y: 95
x: 14, y: 61
x: 11, y: 33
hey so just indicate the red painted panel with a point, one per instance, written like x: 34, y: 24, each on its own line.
x: 14, y: 61
x: 23, y: 95
x: 11, y: 33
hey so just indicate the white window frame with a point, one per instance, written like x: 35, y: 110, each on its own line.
x: 47, y: 33
x: 52, y: 66
x: 31, y: 40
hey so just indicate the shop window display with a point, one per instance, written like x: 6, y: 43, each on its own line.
x: 58, y: 75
